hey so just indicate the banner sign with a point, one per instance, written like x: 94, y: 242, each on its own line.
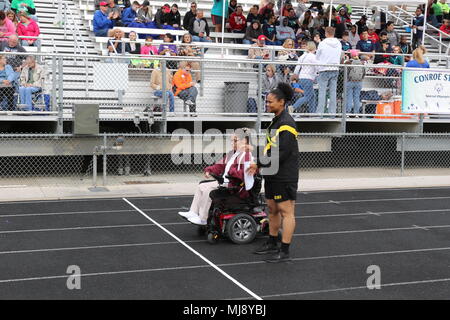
x: 425, y: 91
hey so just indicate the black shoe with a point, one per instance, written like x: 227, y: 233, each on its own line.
x: 267, y: 248
x: 279, y: 257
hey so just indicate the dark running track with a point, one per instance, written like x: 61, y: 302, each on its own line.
x: 123, y: 255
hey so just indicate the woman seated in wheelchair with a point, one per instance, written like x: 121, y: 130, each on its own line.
x: 231, y: 170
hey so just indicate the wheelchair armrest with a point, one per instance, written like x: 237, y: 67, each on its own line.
x: 206, y: 181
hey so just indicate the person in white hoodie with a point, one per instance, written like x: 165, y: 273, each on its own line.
x: 328, y: 52
x: 306, y: 75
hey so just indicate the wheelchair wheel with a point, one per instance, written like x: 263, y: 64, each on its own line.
x: 213, y: 237
x: 241, y: 229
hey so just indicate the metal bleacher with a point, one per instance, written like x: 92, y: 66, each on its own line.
x: 78, y: 74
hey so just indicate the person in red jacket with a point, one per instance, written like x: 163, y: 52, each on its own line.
x: 445, y: 27
x: 28, y: 27
x: 238, y: 23
x: 233, y: 164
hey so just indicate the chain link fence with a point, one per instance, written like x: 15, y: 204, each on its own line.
x: 156, y: 159
x: 172, y: 87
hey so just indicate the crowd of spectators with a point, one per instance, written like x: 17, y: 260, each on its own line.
x: 21, y: 77
x: 326, y: 35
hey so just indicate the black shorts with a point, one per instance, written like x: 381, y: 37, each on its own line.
x: 280, y: 191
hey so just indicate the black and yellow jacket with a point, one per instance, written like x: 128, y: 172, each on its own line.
x: 281, y: 145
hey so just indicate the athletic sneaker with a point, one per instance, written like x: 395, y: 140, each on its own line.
x: 266, y: 248
x: 196, y: 220
x: 279, y: 257
x: 188, y: 214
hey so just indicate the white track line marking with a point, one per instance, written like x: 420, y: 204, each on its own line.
x: 186, y: 223
x: 422, y: 228
x: 370, y: 200
x: 357, y: 288
x: 195, y: 252
x: 231, y: 264
x: 79, y: 212
x: 78, y: 228
x: 105, y: 273
x: 129, y: 245
x: 190, y: 196
x: 92, y: 199
x: 369, y: 230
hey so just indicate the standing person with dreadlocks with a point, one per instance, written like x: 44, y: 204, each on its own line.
x: 279, y: 166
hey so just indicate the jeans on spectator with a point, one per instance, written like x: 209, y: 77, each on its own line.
x: 327, y: 81
x: 308, y: 96
x: 189, y: 94
x: 101, y: 33
x: 353, y: 91
x: 274, y: 43
x: 170, y: 96
x: 36, y: 43
x: 25, y: 94
x: 246, y: 41
x: 200, y: 39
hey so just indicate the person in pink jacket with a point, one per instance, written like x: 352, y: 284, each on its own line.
x: 28, y: 27
x: 231, y: 165
x: 7, y: 28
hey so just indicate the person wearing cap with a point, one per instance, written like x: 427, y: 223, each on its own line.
x: 162, y: 16
x: 362, y: 24
x: 144, y: 13
x: 371, y: 33
x: 259, y: 50
x: 102, y: 21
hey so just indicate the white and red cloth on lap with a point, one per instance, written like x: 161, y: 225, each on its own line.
x: 234, y: 164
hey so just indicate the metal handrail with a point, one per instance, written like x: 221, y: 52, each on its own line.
x: 440, y: 43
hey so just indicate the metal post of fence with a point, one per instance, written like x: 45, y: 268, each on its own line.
x: 164, y: 95
x: 59, y: 129
x: 94, y: 168
x: 54, y: 81
x: 105, y: 141
x: 344, y: 102
x: 259, y: 98
x: 65, y: 20
x: 202, y: 72
x: 421, y: 117
x: 402, y: 147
